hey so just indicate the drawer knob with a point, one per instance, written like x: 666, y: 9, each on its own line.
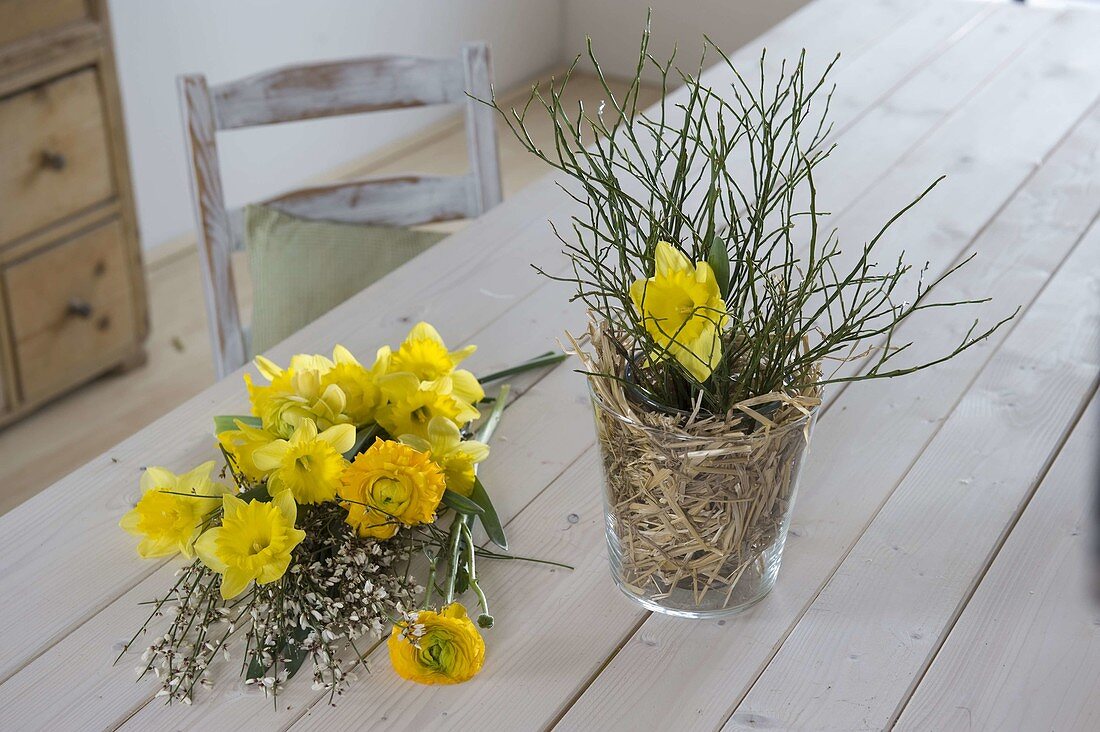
x: 79, y: 308
x: 52, y: 160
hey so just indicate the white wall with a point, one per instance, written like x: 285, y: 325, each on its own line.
x: 155, y: 40
x: 225, y: 39
x: 616, y: 27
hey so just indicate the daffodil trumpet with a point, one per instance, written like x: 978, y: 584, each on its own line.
x: 300, y: 544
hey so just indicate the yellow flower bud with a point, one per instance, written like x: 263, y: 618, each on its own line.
x: 683, y: 311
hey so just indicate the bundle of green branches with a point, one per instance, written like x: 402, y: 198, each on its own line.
x: 726, y: 176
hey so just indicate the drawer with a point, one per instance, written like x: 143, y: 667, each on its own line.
x: 53, y: 153
x: 71, y: 310
x: 23, y: 18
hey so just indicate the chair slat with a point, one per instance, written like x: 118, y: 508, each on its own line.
x: 399, y: 201
x: 328, y: 89
x: 481, y: 139
x: 215, y: 238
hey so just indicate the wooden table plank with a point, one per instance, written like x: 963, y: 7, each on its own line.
x: 852, y: 659
x: 974, y: 56
x: 863, y: 447
x: 1025, y: 653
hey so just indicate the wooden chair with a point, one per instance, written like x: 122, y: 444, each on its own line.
x: 323, y: 90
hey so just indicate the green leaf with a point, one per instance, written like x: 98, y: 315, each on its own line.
x: 485, y: 432
x: 225, y: 422
x: 362, y: 436
x: 719, y: 260
x: 256, y: 668
x: 461, y: 503
x: 489, y: 518
x: 294, y: 651
x: 546, y: 359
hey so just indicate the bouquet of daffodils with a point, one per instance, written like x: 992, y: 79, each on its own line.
x: 301, y: 546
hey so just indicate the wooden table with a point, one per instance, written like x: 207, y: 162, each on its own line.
x: 937, y: 575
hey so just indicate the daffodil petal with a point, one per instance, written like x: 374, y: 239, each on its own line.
x: 670, y: 260
x: 234, y: 582
x: 443, y: 434
x: 284, y: 501
x: 340, y: 436
x: 474, y: 451
x: 416, y: 442
x: 343, y: 355
x: 273, y: 570
x: 206, y: 547
x: 270, y: 456
x: 156, y: 477
x: 267, y: 368
x: 466, y: 387
x: 424, y: 331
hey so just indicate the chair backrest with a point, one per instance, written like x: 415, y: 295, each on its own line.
x: 324, y: 90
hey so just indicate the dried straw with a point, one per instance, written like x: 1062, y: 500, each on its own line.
x: 696, y: 500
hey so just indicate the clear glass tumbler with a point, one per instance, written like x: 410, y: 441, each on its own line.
x: 696, y: 522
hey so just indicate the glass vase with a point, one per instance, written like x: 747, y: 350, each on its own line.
x: 697, y: 516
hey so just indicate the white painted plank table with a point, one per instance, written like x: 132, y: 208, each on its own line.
x: 938, y: 572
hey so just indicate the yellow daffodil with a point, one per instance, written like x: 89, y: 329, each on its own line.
x: 437, y: 648
x: 445, y: 446
x: 309, y: 464
x: 242, y: 444
x: 683, y: 311
x: 166, y: 522
x: 358, y: 383
x: 295, y: 394
x: 391, y: 484
x: 254, y: 542
x: 410, y: 405
x: 424, y: 354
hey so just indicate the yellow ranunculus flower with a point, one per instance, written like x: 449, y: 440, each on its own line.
x: 410, y: 406
x: 424, y: 354
x: 309, y: 464
x: 254, y: 542
x: 242, y: 443
x: 170, y: 523
x: 296, y: 393
x: 358, y: 383
x: 683, y: 311
x: 389, y: 485
x: 437, y: 648
x: 445, y: 446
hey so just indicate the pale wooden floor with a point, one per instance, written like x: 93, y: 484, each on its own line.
x: 74, y: 429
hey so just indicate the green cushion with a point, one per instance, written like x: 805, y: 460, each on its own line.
x: 301, y: 269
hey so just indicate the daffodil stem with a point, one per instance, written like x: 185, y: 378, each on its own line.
x: 547, y: 359
x: 471, y: 568
x: 428, y: 586
x: 455, y: 541
x: 486, y: 432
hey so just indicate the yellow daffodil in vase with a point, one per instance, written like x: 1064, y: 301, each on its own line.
x: 721, y: 308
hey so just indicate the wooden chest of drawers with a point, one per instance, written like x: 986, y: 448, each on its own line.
x: 72, y: 295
